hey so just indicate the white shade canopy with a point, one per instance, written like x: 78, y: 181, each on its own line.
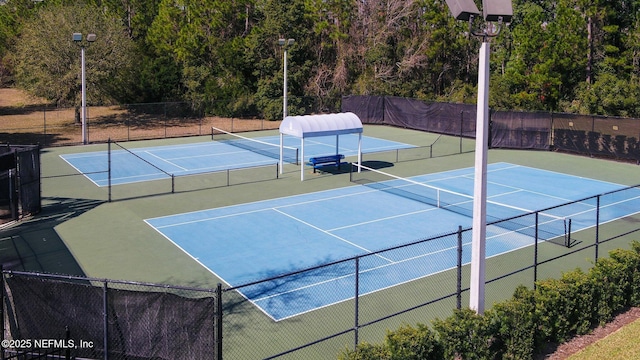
x: 307, y: 126
x: 321, y: 125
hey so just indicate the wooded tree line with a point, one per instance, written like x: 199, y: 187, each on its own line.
x: 579, y: 56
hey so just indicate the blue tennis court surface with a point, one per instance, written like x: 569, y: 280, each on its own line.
x: 248, y: 242
x: 152, y: 163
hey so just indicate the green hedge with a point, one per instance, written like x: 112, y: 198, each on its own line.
x: 518, y: 328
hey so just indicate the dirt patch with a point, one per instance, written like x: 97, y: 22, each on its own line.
x: 17, y: 98
x: 564, y: 351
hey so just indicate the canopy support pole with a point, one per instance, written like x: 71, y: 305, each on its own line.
x: 359, y: 151
x: 302, y: 159
x: 281, y: 154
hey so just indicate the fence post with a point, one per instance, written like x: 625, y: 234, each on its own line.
x: 105, y: 318
x: 459, y: 282
x: 109, y: 168
x: 2, y: 302
x: 356, y: 322
x: 461, y: 128
x: 44, y: 125
x: 535, y: 254
x: 218, y: 323
x: 597, y: 226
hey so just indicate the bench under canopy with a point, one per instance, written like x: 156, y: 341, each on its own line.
x: 307, y: 126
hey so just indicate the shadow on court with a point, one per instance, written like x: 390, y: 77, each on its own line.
x: 34, y: 245
x: 345, y: 168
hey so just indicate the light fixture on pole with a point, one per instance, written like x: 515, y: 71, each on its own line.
x: 285, y: 43
x: 77, y: 38
x: 499, y: 11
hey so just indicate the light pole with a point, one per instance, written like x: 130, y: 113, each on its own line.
x: 494, y: 11
x: 77, y: 38
x: 285, y: 45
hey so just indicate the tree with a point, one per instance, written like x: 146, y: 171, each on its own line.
x: 276, y: 19
x: 12, y: 14
x: 47, y: 61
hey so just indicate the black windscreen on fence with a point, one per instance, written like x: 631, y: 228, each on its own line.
x: 585, y: 134
x: 19, y: 181
x: 370, y: 109
x: 28, y: 161
x: 140, y: 323
x: 597, y: 136
x: 444, y: 118
x: 520, y: 130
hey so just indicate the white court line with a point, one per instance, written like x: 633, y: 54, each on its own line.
x: 383, y: 219
x: 330, y: 234
x: 166, y: 161
x: 471, y: 176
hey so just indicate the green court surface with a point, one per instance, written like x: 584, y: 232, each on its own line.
x: 80, y: 232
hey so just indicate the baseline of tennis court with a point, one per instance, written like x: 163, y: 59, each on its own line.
x: 253, y: 241
x: 153, y: 163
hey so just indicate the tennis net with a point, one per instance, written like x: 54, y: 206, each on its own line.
x: 552, y: 228
x: 289, y: 154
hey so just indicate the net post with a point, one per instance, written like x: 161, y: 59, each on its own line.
x: 569, y: 234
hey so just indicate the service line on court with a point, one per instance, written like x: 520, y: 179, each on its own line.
x: 330, y: 234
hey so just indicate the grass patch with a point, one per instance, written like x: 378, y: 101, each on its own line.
x: 622, y: 345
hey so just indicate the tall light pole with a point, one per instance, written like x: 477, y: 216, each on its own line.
x: 77, y: 38
x: 499, y: 11
x: 285, y: 45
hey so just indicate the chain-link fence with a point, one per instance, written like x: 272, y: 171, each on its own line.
x: 50, y: 126
x: 344, y: 302
x: 591, y: 135
x: 416, y: 282
x: 106, y: 319
x: 585, y: 134
x: 19, y: 181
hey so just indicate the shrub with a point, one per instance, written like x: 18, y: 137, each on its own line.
x: 366, y: 351
x: 466, y: 334
x: 515, y: 324
x: 518, y: 327
x: 408, y: 343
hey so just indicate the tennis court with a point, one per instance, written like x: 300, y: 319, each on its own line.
x: 229, y: 152
x: 252, y: 241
